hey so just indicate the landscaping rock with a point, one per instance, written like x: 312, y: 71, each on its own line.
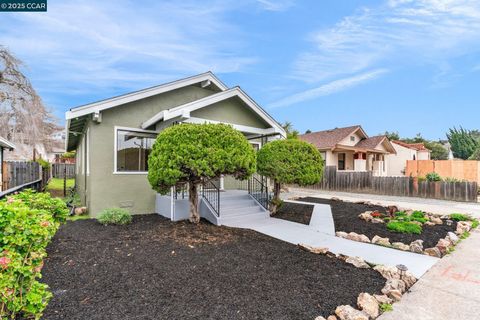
x: 463, y: 226
x: 367, y: 216
x: 382, y: 299
x: 357, y: 262
x: 396, y: 295
x: 332, y: 317
x: 401, y: 246
x: 394, y: 284
x: 429, y: 223
x: 349, y: 313
x: 381, y: 241
x: 443, y: 245
x: 436, y: 220
x: 80, y: 211
x: 341, y: 234
x: 358, y: 237
x: 434, y: 252
x: 452, y: 237
x: 387, y: 272
x: 409, y: 279
x: 416, y: 246
x: 316, y: 250
x: 418, y: 223
x: 320, y: 318
x: 368, y: 304
x: 377, y: 220
x: 336, y: 199
x: 392, y: 209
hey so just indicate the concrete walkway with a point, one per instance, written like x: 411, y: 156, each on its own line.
x: 450, y: 290
x: 428, y: 205
x: 297, y: 233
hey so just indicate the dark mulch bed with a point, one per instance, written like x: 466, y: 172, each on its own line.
x: 157, y: 269
x: 345, y: 216
x: 295, y: 212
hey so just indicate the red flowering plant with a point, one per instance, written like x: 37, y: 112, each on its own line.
x: 377, y: 214
x: 27, y: 225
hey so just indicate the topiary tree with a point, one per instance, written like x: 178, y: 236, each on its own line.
x: 192, y: 153
x: 289, y: 161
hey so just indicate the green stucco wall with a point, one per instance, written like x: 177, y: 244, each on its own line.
x: 102, y: 188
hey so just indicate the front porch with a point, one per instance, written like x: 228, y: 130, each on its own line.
x: 219, y: 202
x: 350, y: 159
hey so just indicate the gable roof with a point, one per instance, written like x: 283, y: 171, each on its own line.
x: 4, y: 143
x: 142, y: 94
x: 371, y: 142
x: 185, y: 109
x: 328, y: 139
x: 414, y: 146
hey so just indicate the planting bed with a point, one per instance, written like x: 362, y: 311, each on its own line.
x: 295, y: 212
x: 345, y: 216
x: 157, y: 269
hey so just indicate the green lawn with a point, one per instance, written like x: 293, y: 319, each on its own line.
x: 57, y: 184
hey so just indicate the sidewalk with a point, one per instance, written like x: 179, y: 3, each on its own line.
x: 450, y: 290
x: 429, y: 205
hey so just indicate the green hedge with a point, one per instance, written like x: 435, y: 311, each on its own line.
x: 28, y: 221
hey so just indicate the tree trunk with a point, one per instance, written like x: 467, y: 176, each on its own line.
x: 275, y: 204
x: 193, y: 197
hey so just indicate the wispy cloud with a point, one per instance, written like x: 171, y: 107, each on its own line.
x: 86, y: 45
x: 401, y: 32
x: 276, y: 5
x: 329, y: 88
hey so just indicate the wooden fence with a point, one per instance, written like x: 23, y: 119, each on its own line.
x: 60, y: 169
x: 18, y: 175
x: 365, y: 182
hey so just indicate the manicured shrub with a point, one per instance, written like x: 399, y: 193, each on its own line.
x: 27, y: 225
x: 433, y: 177
x: 459, y: 217
x: 115, y: 216
x: 192, y: 153
x: 289, y: 161
x: 404, y: 227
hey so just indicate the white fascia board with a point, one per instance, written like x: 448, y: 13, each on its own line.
x: 142, y: 94
x: 6, y: 144
x: 239, y: 127
x: 186, y: 109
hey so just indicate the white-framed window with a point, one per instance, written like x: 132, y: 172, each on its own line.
x: 132, y: 148
x: 352, y: 138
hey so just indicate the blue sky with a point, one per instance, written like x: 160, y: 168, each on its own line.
x: 397, y: 65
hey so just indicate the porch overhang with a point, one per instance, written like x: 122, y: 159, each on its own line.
x: 343, y: 148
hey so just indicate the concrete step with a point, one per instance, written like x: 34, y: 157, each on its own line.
x: 233, y: 204
x: 239, y: 218
x: 228, y: 196
x: 241, y: 211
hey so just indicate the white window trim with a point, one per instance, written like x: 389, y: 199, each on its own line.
x: 115, y: 135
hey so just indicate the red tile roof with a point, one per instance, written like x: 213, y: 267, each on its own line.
x: 414, y: 146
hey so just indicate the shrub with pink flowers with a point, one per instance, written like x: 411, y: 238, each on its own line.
x: 28, y: 221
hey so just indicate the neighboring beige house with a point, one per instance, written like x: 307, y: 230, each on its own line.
x: 113, y: 137
x: 405, y: 151
x: 351, y: 149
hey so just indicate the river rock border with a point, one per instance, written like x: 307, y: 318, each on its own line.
x: 443, y: 246
x: 368, y: 306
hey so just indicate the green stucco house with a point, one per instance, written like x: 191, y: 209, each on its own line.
x: 112, y: 137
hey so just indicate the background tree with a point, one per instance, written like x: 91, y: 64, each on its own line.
x: 192, y: 153
x: 23, y: 117
x: 292, y: 133
x: 289, y: 161
x: 308, y: 131
x: 462, y: 142
x: 392, y: 135
x: 438, y: 151
x: 475, y: 155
